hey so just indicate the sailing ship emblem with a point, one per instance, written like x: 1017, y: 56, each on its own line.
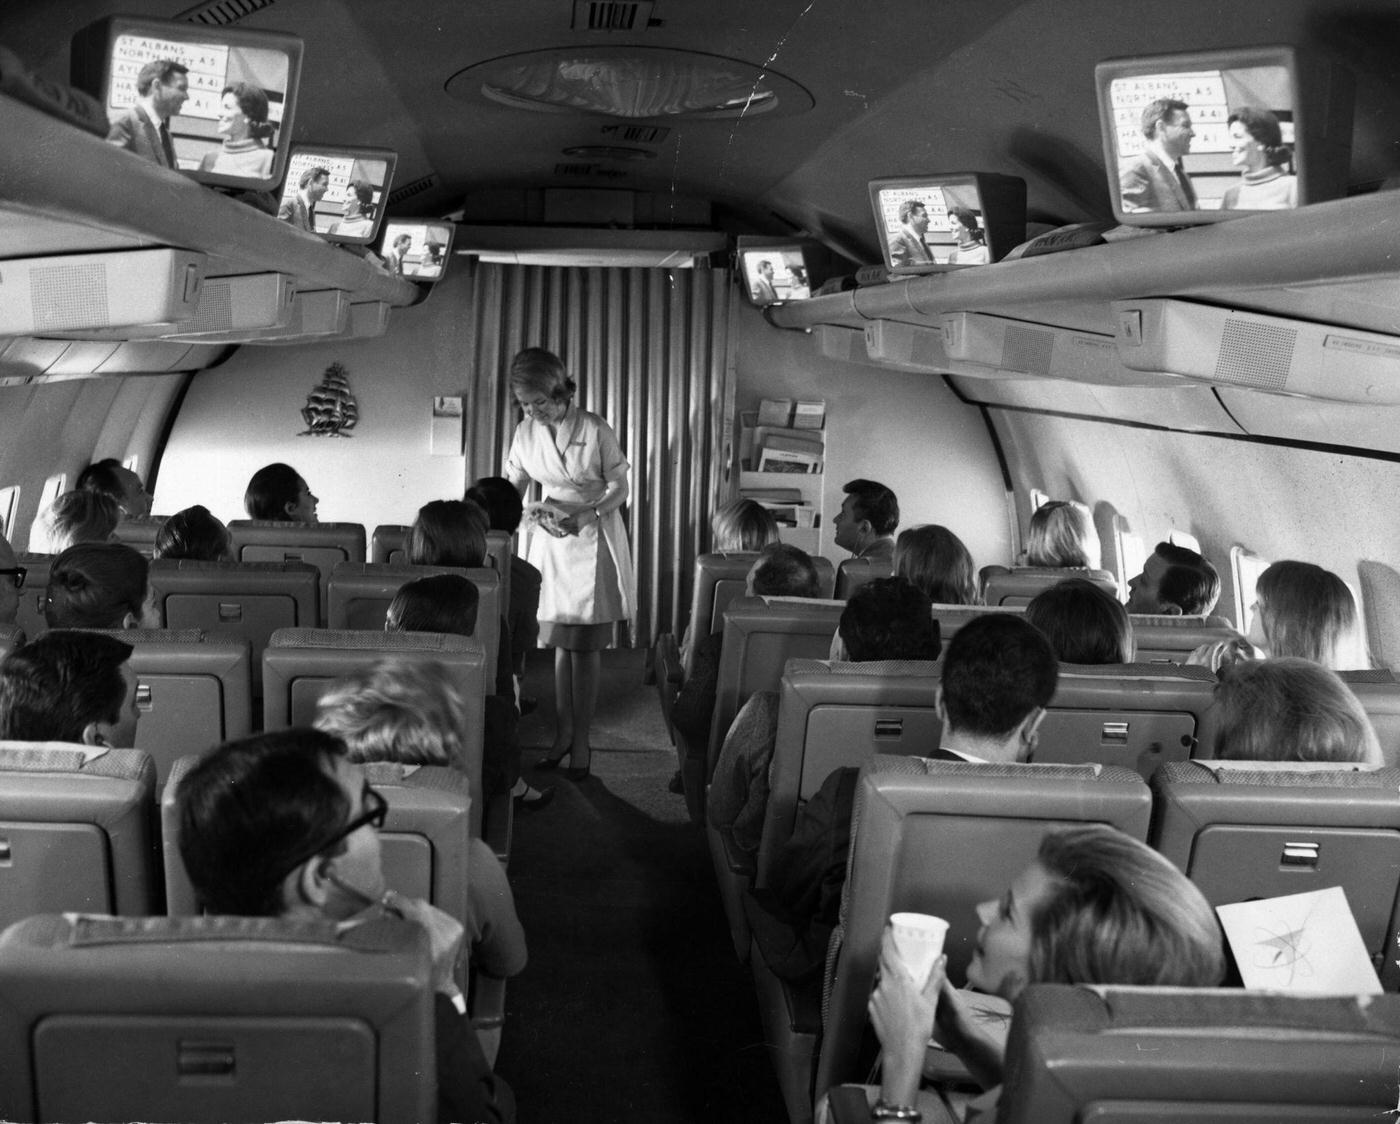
x: 330, y: 408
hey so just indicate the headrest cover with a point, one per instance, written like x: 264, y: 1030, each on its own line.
x: 89, y: 931
x: 47, y: 757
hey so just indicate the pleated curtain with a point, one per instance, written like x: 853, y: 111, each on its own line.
x: 648, y: 348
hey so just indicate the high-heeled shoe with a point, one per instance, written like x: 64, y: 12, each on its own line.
x: 580, y: 773
x: 548, y: 764
x: 533, y: 799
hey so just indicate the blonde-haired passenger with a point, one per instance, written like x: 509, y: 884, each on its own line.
x: 744, y: 525
x: 1062, y: 535
x: 1305, y: 611
x: 934, y: 559
x: 1291, y: 709
x: 79, y: 516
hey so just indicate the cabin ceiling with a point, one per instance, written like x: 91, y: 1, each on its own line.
x: 866, y: 88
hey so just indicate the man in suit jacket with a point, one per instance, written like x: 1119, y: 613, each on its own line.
x: 908, y: 246
x: 1156, y: 180
x: 868, y: 518
x: 300, y: 208
x: 763, y: 291
x: 162, y: 87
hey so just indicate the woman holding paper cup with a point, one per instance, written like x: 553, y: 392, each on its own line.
x: 578, y: 541
x: 1095, y: 907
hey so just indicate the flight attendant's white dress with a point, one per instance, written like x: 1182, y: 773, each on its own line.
x: 587, y: 577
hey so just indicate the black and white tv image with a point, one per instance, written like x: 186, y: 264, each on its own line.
x: 1202, y: 137
x: 417, y: 249
x: 773, y: 274
x: 935, y: 222
x: 215, y: 103
x: 337, y: 191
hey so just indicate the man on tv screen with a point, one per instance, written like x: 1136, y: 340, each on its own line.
x: 300, y: 208
x: 763, y: 290
x: 1156, y: 181
x: 908, y: 246
x: 161, y: 87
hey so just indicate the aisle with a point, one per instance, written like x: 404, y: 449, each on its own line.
x: 633, y: 1006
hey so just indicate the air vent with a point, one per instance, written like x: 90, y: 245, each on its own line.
x: 637, y: 134
x: 409, y: 190
x: 611, y: 15
x: 575, y: 170
x: 221, y: 13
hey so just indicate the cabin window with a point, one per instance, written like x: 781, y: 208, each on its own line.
x: 1187, y: 540
x: 131, y: 464
x: 9, y: 500
x: 1246, y: 567
x: 54, y: 487
x: 1038, y: 499
x: 1129, y: 555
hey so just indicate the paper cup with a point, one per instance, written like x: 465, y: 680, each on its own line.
x: 919, y: 939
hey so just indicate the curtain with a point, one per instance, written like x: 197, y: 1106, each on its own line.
x: 648, y: 349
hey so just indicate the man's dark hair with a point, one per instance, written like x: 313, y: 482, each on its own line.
x: 101, y: 477
x: 163, y: 71
x: 876, y: 503
x: 252, y: 811
x: 499, y: 498
x: 437, y: 603
x: 1155, y: 112
x: 783, y: 570
x: 192, y: 533
x: 447, y: 533
x: 271, y: 489
x: 998, y: 668
x: 889, y: 619
x: 53, y: 687
x: 311, y: 175
x: 1189, y: 581
x: 1083, y: 622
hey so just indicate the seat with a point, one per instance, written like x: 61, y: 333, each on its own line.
x: 193, y: 690
x: 1018, y: 585
x: 252, y: 1019
x: 1136, y: 715
x: 387, y: 546
x: 249, y: 599
x: 360, y: 594
x: 950, y: 618
x: 139, y: 532
x: 853, y: 573
x: 320, y: 544
x: 938, y: 837
x: 1164, y: 639
x: 1210, y: 1056
x: 1242, y: 830
x: 11, y: 637
x: 77, y: 830
x: 30, y: 616
x: 1378, y: 691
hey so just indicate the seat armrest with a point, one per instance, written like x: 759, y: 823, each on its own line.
x: 497, y: 824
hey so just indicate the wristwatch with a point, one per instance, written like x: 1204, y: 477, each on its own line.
x: 883, y: 1110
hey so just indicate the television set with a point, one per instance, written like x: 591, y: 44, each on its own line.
x: 232, y: 105
x: 425, y: 255
x: 930, y: 223
x: 338, y: 190
x: 774, y: 271
x: 1213, y: 135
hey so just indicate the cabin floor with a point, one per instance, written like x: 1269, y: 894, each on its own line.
x: 633, y: 1005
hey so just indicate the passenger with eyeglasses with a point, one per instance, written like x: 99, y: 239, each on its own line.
x: 285, y: 825
x: 11, y: 582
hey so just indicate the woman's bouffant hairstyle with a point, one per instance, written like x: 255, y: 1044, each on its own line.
x: 1309, y: 612
x: 95, y: 585
x: 743, y: 525
x: 1062, y: 534
x: 406, y: 711
x: 1263, y: 126
x: 81, y: 516
x: 193, y: 533
x: 935, y: 560
x: 1290, y: 710
x: 270, y: 490
x: 1083, y: 622
x: 438, y: 603
x: 1120, y: 914
x: 252, y: 103
x: 538, y: 371
x: 447, y: 533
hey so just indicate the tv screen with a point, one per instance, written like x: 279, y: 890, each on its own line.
x: 930, y: 223
x: 417, y: 249
x: 1213, y: 135
x: 224, y: 96
x: 336, y: 191
x: 774, y: 272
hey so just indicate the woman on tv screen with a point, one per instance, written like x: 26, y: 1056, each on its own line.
x: 243, y: 125
x: 1257, y: 149
x: 971, y: 238
x: 359, y: 211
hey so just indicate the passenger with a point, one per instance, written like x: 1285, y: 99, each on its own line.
x: 1174, y: 582
x: 447, y: 533
x: 69, y: 686
x: 412, y: 713
x: 999, y: 675
x: 1095, y: 907
x: 300, y: 209
x: 1062, y: 535
x: 112, y: 478
x: 359, y: 210
x: 1257, y: 149
x: 971, y: 238
x: 74, y: 517
x: 497, y: 496
x: 885, y: 619
x: 162, y: 87
x: 1305, y: 611
x: 867, y: 521
x: 936, y: 561
x: 243, y: 129
x: 438, y: 603
x: 279, y: 494
x: 582, y: 551
x: 1290, y: 709
x: 99, y: 585
x: 194, y: 534
x: 743, y: 525
x: 1156, y: 180
x: 1083, y: 622
x: 283, y: 825
x: 12, y: 576
x: 908, y: 247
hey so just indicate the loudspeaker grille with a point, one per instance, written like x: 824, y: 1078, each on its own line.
x: 69, y: 297
x: 1027, y: 349
x: 1255, y: 354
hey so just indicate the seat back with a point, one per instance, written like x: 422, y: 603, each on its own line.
x: 939, y: 837
x: 193, y: 690
x: 30, y: 616
x: 361, y: 592
x: 1136, y: 715
x: 11, y: 637
x: 320, y: 544
x: 1242, y: 830
x: 1379, y: 694
x: 1164, y: 639
x: 1205, y: 1055
x: 253, y: 1019
x: 1017, y: 586
x: 387, y: 544
x: 140, y: 532
x: 853, y: 573
x: 950, y: 618
x: 77, y: 831
x: 248, y: 599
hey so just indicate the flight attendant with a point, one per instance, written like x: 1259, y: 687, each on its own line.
x: 578, y: 540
